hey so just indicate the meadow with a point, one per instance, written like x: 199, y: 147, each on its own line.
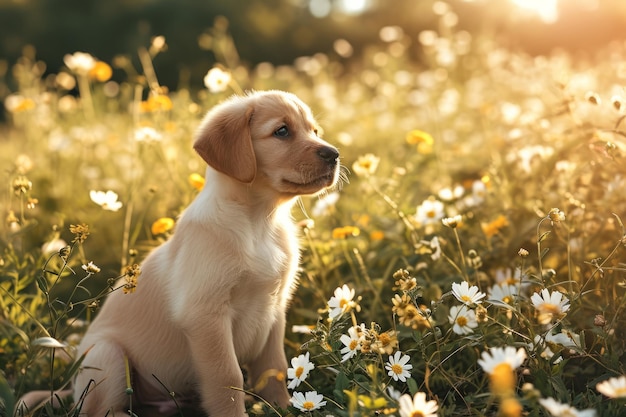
x: 472, y: 264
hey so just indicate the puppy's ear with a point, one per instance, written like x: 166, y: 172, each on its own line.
x: 224, y: 141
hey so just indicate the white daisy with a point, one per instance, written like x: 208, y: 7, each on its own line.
x: 431, y: 211
x: 497, y: 356
x: 466, y: 294
x: 556, y: 216
x: 417, y: 406
x: 341, y: 302
x: 300, y: 368
x: 217, y: 80
x: 308, y: 401
x: 106, y: 200
x: 505, y: 293
x: 91, y: 268
x: 147, y: 134
x: 53, y: 246
x: 558, y: 409
x: 435, y: 248
x: 325, y: 204
x: 451, y: 194
x: 506, y: 276
x: 551, y: 341
x: 613, y: 387
x: 452, y: 222
x: 399, y: 367
x: 463, y: 320
x: 393, y: 393
x: 366, y: 165
x: 351, y: 342
x: 549, y: 305
x: 79, y: 62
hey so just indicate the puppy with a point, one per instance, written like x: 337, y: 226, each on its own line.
x: 213, y: 298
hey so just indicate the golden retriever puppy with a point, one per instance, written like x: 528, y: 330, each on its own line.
x: 213, y: 298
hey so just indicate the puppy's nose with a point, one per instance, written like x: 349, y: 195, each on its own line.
x: 328, y: 154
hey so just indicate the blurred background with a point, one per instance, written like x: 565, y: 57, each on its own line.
x: 278, y: 31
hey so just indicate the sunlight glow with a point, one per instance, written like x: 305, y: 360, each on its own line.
x: 322, y: 8
x: 353, y: 7
x: 547, y: 10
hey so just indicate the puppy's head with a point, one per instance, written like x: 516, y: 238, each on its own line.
x: 268, y: 139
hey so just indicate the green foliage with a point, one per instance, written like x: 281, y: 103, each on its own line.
x: 458, y: 166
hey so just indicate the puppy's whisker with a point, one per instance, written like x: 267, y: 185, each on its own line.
x: 300, y: 204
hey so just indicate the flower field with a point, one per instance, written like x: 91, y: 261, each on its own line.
x: 472, y: 262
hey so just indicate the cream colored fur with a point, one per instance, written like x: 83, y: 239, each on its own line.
x: 213, y: 298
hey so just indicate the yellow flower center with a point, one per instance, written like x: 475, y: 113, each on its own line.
x: 507, y: 299
x: 353, y: 344
x: 510, y: 407
x: 397, y: 369
x: 384, y: 339
x: 308, y: 405
x: 431, y: 214
x: 466, y: 298
x: 343, y: 302
x: 299, y: 371
x: 417, y: 413
x: 410, y: 313
x: 461, y: 321
x: 550, y: 308
x: 620, y: 392
x: 502, y: 379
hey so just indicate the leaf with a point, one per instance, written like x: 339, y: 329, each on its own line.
x: 42, y: 283
x: 71, y: 371
x: 543, y: 236
x: 501, y: 304
x: 49, y: 342
x: 342, y: 382
x: 621, y: 225
x: 412, y: 384
x: 6, y: 395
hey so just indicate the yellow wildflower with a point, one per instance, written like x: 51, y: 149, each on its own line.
x: 493, y: 228
x: 80, y: 232
x: 372, y: 403
x: 101, y: 71
x: 345, y: 232
x: 423, y: 140
x: 162, y: 226
x: 196, y: 181
x: 157, y: 102
x: 16, y: 103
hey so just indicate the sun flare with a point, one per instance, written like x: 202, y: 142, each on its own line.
x: 547, y: 10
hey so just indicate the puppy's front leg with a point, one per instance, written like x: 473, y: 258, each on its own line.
x: 272, y: 357
x: 213, y: 353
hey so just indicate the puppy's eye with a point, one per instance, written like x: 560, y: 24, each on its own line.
x: 282, y: 132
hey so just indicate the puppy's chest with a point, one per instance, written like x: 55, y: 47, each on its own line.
x: 268, y: 268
